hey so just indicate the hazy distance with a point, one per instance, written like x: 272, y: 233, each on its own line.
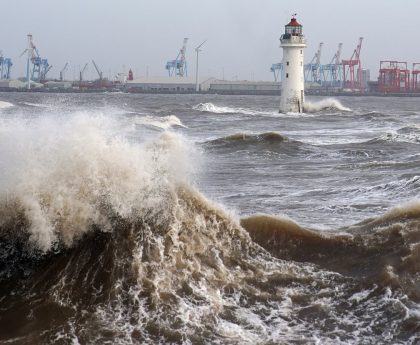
x: 243, y: 35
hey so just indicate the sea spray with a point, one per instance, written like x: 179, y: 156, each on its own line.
x: 309, y: 108
x: 162, y: 123
x: 325, y: 104
x: 63, y: 173
x: 217, y: 109
x: 5, y: 105
x: 171, y: 266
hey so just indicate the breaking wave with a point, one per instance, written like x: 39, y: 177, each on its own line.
x: 268, y: 141
x: 36, y: 105
x: 383, y: 250
x: 212, y: 108
x: 5, y: 105
x: 271, y: 137
x: 61, y: 174
x: 325, y: 104
x: 404, y: 135
x: 164, y: 123
x: 105, y: 240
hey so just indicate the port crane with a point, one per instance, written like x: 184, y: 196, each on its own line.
x: 332, y: 71
x: 178, y: 67
x: 40, y: 66
x: 276, y: 69
x: 351, y: 80
x: 313, y: 69
x: 82, y: 71
x: 415, y: 73
x: 63, y: 71
x: 97, y: 70
x: 5, y: 66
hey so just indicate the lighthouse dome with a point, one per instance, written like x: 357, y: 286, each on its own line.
x: 293, y: 28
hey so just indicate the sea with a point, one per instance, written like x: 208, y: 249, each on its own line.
x: 208, y: 219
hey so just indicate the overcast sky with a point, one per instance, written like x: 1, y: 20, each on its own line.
x: 243, y: 35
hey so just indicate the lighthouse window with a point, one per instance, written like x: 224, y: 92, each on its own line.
x: 287, y: 75
x: 287, y: 63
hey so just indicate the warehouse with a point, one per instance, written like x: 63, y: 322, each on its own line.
x: 167, y: 85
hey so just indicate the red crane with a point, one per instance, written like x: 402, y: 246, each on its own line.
x: 415, y: 72
x: 351, y: 80
x: 394, y: 76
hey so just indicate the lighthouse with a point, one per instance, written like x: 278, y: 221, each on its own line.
x: 292, y: 77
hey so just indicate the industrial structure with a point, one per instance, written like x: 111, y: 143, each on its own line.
x: 63, y: 71
x: 178, y: 67
x: 338, y: 76
x: 344, y: 75
x: 101, y: 83
x: 166, y: 85
x: 352, y: 70
x: 293, y: 42
x: 100, y: 74
x: 332, y: 72
x: 313, y: 69
x: 82, y: 72
x: 276, y: 70
x: 394, y: 76
x: 197, y: 50
x: 5, y: 67
x: 415, y: 72
x: 36, y: 67
x: 130, y: 75
x: 328, y: 76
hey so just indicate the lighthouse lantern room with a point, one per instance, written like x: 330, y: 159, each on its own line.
x: 292, y: 82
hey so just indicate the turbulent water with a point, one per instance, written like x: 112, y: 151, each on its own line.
x: 190, y: 219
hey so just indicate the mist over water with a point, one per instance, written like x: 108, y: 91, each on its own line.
x: 139, y: 219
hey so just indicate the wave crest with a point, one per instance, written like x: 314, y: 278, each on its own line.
x: 268, y: 141
x: 68, y: 177
x: 325, y: 104
x: 212, y: 108
x: 369, y: 250
x: 164, y: 123
x: 5, y: 105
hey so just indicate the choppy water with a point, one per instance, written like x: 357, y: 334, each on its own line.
x: 143, y: 219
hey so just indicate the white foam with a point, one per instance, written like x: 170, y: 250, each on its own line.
x: 36, y: 105
x: 328, y: 103
x: 212, y: 108
x: 5, y: 105
x: 164, y: 123
x: 61, y: 171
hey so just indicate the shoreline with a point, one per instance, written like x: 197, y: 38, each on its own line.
x: 227, y: 92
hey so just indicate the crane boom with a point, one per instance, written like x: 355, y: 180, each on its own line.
x: 318, y: 54
x: 178, y: 67
x: 83, y: 71
x: 63, y: 71
x: 97, y: 70
x: 338, y: 54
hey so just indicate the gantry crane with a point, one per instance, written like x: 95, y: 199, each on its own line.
x: 276, y: 70
x: 40, y: 66
x: 351, y: 80
x: 178, y: 67
x: 332, y: 72
x: 313, y: 69
x: 415, y: 73
x: 5, y: 66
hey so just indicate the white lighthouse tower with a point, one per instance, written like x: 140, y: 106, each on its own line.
x: 292, y: 78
